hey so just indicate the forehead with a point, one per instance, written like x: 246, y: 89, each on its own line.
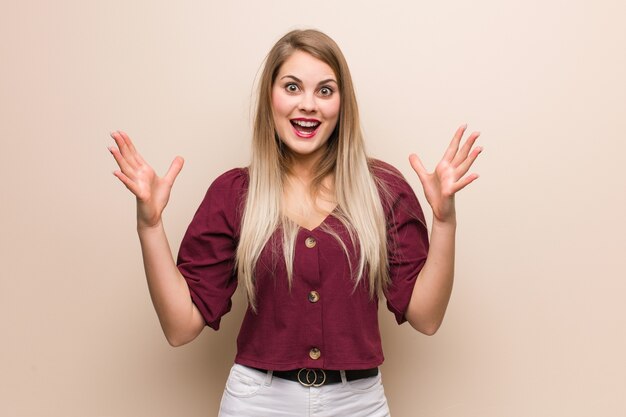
x: 306, y: 67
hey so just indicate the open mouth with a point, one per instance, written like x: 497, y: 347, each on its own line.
x: 305, y: 127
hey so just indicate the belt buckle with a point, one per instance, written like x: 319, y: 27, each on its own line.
x: 309, y: 379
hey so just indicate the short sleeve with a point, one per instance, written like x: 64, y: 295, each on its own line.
x: 206, y: 257
x: 407, y: 242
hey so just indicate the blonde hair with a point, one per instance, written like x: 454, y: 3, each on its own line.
x: 359, y: 205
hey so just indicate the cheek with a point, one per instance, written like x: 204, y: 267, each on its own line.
x: 280, y: 104
x: 332, y: 108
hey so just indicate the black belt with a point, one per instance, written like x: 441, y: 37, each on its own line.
x: 319, y: 377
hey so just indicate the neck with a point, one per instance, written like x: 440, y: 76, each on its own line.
x: 302, y: 167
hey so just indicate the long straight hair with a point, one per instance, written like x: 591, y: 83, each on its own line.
x: 355, y: 189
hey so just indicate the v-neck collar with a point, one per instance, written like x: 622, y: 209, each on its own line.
x: 324, y: 220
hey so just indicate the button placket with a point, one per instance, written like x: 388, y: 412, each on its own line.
x: 312, y: 278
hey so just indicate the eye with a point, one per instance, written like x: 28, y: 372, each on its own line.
x: 326, y: 91
x: 292, y: 88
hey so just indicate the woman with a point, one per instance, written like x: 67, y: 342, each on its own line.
x: 315, y: 232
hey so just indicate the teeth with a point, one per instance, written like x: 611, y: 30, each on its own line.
x: 306, y: 124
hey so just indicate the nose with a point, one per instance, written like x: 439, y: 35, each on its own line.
x: 307, y: 103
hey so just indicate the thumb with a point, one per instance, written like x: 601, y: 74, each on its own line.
x: 418, y: 167
x: 174, y: 170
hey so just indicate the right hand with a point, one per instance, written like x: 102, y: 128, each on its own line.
x: 152, y: 192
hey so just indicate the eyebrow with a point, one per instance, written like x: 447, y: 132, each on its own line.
x: 328, y: 80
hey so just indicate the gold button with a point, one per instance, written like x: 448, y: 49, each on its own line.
x: 315, y: 353
x: 310, y: 242
x: 314, y: 296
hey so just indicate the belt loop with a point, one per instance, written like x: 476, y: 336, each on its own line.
x: 268, y: 378
x: 344, y: 381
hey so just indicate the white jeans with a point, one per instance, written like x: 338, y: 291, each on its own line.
x: 252, y: 393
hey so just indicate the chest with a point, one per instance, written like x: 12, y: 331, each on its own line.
x: 304, y: 209
x: 323, y: 256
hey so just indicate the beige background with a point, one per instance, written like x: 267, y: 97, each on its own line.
x: 536, y: 326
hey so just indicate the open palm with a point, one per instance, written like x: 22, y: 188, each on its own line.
x: 449, y: 177
x: 152, y: 192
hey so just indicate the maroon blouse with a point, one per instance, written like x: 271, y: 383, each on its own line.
x: 323, y: 321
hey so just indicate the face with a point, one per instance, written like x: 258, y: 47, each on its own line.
x: 305, y: 104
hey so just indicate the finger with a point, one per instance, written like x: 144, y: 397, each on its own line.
x: 125, y: 150
x: 131, y: 146
x: 454, y: 144
x: 465, y: 149
x: 467, y: 163
x: 174, y: 170
x: 464, y: 182
x: 122, y: 146
x: 418, y: 167
x: 121, y: 161
x: 127, y: 182
x: 129, y: 142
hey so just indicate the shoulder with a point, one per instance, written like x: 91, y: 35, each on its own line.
x: 395, y: 192
x: 222, y: 204
x: 227, y: 190
x: 233, y: 179
x: 388, y: 178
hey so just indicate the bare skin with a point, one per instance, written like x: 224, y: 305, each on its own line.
x: 300, y: 207
x: 305, y: 89
x: 433, y: 287
x: 179, y: 317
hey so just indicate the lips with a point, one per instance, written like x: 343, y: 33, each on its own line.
x: 305, y: 128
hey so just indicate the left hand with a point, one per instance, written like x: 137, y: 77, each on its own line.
x: 449, y: 177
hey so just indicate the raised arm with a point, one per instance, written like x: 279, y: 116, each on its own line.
x: 180, y: 319
x: 433, y: 287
